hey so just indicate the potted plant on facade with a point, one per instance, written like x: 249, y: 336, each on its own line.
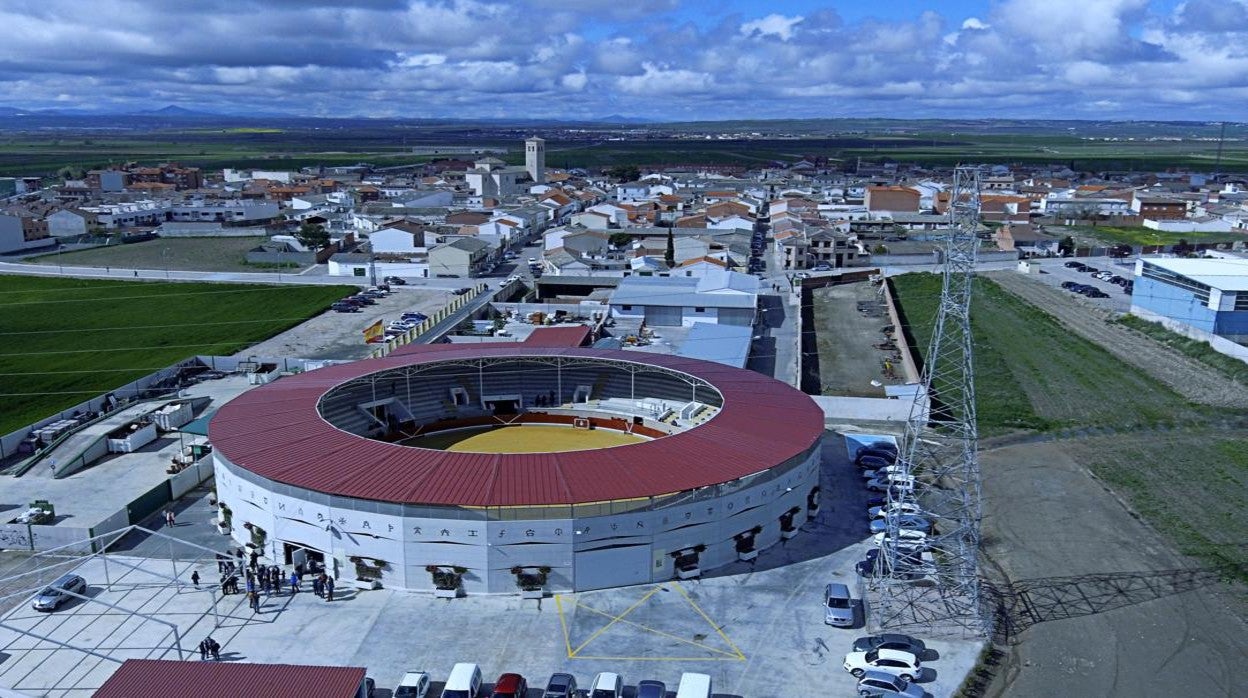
x: 447, y: 580
x: 745, y: 544
x: 223, y: 519
x: 788, y: 527
x: 812, y: 503
x: 367, y: 573
x: 531, y: 580
x: 687, y: 566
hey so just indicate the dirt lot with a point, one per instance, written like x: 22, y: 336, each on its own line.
x: 192, y: 254
x: 847, y: 360
x: 332, y: 335
x: 1097, y: 604
x: 1186, y: 376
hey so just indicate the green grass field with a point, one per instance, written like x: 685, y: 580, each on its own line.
x: 1031, y: 373
x: 1172, y: 478
x: 66, y: 340
x: 1138, y: 235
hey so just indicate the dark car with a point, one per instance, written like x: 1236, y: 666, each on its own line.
x: 462, y: 291
x: 875, y: 460
x: 1128, y: 288
x: 397, y: 281
x: 345, y: 308
x: 651, y: 689
x: 1073, y: 265
x: 1068, y: 285
x: 366, y: 300
x: 560, y: 686
x: 890, y: 641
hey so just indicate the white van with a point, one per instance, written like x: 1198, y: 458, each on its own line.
x: 694, y: 686
x: 464, y: 681
x: 607, y: 684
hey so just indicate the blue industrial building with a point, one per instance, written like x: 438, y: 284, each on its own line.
x: 1201, y: 298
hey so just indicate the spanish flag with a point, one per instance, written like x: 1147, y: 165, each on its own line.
x: 374, y: 332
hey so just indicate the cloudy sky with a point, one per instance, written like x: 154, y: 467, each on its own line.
x: 660, y: 59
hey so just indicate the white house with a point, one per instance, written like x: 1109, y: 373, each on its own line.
x: 723, y: 297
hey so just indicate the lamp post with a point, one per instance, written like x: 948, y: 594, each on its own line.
x: 164, y: 256
x: 59, y: 264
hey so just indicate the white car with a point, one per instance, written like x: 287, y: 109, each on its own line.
x: 895, y: 662
x: 888, y: 470
x: 901, y: 482
x: 414, y: 684
x: 905, y: 537
x: 897, y: 508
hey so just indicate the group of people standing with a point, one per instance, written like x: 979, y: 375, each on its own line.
x: 262, y: 579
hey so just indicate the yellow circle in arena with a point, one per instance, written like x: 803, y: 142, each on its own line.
x: 526, y: 439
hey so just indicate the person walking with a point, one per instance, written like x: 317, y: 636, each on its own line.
x: 215, y: 648
x: 169, y: 518
x: 276, y: 578
x: 220, y: 563
x: 253, y: 600
x: 225, y: 585
x: 294, y: 584
x: 195, y: 578
x: 316, y: 585
x: 329, y: 589
x: 203, y: 650
x: 233, y: 584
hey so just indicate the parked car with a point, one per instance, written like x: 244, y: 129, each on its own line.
x: 822, y: 267
x: 906, y: 537
x: 414, y: 684
x: 461, y: 291
x: 915, y: 566
x: 463, y: 682
x: 838, y: 606
x: 884, y: 471
x: 1073, y: 265
x: 883, y: 510
x: 560, y: 686
x: 363, y: 299
x: 651, y: 689
x: 510, y: 686
x: 893, y: 482
x: 904, y: 522
x: 894, y: 662
x: 606, y: 685
x: 890, y: 641
x: 396, y: 280
x: 880, y: 683
x: 345, y: 308
x: 414, y: 317
x: 879, y: 446
x: 875, y: 459
x: 59, y: 591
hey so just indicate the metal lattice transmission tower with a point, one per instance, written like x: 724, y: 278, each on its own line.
x: 934, y: 581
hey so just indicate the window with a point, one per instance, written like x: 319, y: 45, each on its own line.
x: 626, y: 307
x: 699, y: 310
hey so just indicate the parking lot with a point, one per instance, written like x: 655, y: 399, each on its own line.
x: 1054, y: 272
x: 757, y: 628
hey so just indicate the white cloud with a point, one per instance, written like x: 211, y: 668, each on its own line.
x: 772, y: 25
x: 665, y: 81
x: 974, y: 23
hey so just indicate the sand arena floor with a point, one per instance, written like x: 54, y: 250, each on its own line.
x: 525, y: 439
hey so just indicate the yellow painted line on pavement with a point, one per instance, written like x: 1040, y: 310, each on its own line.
x: 615, y: 619
x: 563, y: 623
x: 712, y: 623
x: 664, y: 634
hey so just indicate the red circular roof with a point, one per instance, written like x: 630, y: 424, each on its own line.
x: 276, y: 432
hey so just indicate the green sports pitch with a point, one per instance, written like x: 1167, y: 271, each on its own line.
x: 63, y: 341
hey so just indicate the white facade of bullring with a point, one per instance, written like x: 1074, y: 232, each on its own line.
x: 583, y: 552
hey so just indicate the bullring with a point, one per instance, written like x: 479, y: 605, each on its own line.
x: 327, y: 464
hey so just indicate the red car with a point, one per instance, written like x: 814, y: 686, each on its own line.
x: 510, y: 686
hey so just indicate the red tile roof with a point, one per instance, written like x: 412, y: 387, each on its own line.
x: 569, y: 336
x: 276, y: 432
x: 163, y: 678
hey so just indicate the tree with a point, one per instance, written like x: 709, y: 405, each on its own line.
x: 1066, y: 246
x: 624, y: 173
x: 620, y: 239
x: 670, y: 255
x: 313, y: 236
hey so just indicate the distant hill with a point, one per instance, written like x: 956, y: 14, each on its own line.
x: 617, y: 119
x: 174, y: 110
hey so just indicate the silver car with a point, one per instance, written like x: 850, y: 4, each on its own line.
x: 56, y: 594
x: 838, y: 606
x: 879, y: 683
